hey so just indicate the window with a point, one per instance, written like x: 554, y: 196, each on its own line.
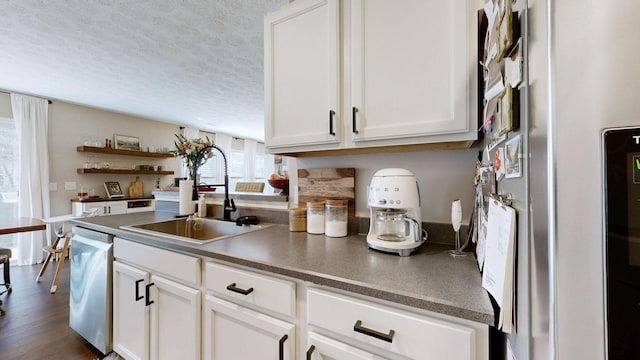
x: 208, y: 171
x: 9, y: 171
x: 262, y: 167
x: 236, y: 166
x: 237, y: 158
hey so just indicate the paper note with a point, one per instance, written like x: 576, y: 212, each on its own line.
x: 498, y: 275
x: 513, y: 66
x: 496, y: 250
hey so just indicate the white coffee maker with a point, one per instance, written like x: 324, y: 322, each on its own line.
x: 395, y: 223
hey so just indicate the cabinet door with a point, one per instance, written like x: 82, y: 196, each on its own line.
x: 99, y: 208
x: 302, y: 74
x: 412, y: 66
x: 403, y: 333
x: 175, y: 320
x: 116, y: 207
x: 323, y: 348
x: 130, y: 315
x: 234, y: 332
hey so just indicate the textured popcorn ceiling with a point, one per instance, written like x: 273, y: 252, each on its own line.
x: 196, y: 63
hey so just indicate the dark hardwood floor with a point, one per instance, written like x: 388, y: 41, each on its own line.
x: 36, y: 323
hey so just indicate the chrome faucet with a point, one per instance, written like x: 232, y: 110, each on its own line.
x: 228, y: 206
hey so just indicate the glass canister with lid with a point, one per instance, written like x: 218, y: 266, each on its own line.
x: 335, y: 218
x: 315, y: 217
x: 298, y: 219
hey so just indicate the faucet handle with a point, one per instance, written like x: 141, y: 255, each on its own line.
x: 247, y: 220
x: 230, y: 205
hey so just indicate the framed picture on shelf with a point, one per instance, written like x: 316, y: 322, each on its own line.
x: 113, y: 189
x: 126, y: 142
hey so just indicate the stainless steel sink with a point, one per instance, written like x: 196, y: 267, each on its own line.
x: 197, y: 230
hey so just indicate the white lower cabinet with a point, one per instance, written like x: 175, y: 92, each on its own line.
x: 111, y: 207
x: 240, y: 315
x: 155, y: 317
x: 100, y: 208
x: 130, y: 314
x: 175, y: 321
x: 324, y: 348
x: 233, y: 332
x: 162, y: 309
x: 392, y: 333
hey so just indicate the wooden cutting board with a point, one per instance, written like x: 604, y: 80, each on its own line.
x: 136, y: 189
x: 325, y: 184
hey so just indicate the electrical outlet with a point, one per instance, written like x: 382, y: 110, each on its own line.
x: 70, y: 185
x: 53, y: 186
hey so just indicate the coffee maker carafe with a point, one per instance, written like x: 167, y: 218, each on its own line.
x: 394, y: 200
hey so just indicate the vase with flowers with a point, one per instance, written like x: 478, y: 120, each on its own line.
x: 194, y: 153
x: 190, y: 150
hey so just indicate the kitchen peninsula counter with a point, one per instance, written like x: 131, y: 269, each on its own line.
x: 429, y: 279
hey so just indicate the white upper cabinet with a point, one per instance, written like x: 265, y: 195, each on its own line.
x: 407, y: 74
x: 410, y: 69
x: 301, y: 74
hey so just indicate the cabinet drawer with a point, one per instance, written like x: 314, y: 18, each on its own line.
x: 251, y: 288
x: 173, y: 265
x: 402, y: 332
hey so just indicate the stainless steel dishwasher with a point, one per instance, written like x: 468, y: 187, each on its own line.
x: 90, y: 287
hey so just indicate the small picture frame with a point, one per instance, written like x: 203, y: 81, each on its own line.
x: 512, y: 158
x: 487, y: 181
x: 113, y: 189
x: 126, y: 142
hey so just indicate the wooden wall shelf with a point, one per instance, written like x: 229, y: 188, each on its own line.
x: 118, y: 171
x: 104, y: 150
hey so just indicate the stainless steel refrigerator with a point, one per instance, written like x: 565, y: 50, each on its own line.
x: 583, y: 76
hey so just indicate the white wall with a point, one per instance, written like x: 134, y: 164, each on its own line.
x: 70, y: 125
x: 443, y: 176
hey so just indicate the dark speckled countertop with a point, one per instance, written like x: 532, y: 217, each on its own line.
x: 429, y: 279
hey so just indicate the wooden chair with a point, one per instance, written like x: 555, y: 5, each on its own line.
x: 256, y: 187
x: 5, y: 255
x: 53, y: 250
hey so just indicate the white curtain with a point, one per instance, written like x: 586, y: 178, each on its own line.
x: 250, y: 149
x: 32, y: 119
